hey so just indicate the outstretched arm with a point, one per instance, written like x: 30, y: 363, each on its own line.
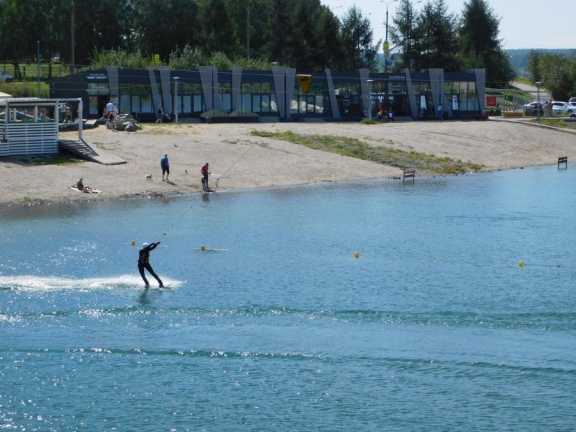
x: 154, y: 245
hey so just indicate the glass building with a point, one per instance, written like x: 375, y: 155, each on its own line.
x: 278, y: 94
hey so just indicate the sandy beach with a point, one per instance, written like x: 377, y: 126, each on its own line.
x: 239, y: 160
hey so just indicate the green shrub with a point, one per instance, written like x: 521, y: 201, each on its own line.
x: 26, y: 89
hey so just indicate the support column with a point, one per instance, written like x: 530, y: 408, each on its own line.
x: 156, y: 99
x: 237, y: 89
x: 364, y: 77
x: 411, y: 95
x: 113, y: 82
x: 332, y: 95
x: 279, y: 75
x: 217, y: 97
x: 290, y: 85
x: 166, y: 91
x: 480, y: 75
x: 437, y: 86
x: 206, y: 79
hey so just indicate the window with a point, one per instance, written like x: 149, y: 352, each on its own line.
x: 136, y: 104
x: 227, y: 102
x: 186, y: 104
x: 125, y: 104
x: 257, y: 103
x: 93, y: 105
x: 146, y: 104
x: 198, y: 103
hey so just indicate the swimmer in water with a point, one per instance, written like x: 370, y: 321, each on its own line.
x: 144, y: 263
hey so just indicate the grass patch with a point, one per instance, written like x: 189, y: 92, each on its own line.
x: 26, y: 89
x: 355, y: 148
x: 559, y: 123
x: 368, y: 122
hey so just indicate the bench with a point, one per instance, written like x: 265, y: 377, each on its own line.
x: 407, y: 174
x: 563, y: 162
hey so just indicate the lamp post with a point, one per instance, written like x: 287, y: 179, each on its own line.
x: 248, y: 28
x: 539, y: 107
x: 176, y: 105
x: 73, y: 36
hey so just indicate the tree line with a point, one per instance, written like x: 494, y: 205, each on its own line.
x: 433, y: 37
x: 300, y: 33
x: 556, y: 72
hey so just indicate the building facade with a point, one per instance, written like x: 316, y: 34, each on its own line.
x: 278, y: 94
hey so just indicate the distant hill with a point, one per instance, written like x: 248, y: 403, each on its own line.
x: 519, y: 57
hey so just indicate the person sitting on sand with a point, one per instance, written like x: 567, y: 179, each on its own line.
x: 80, y: 185
x: 144, y: 263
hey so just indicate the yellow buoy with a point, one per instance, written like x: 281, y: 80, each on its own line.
x: 521, y: 264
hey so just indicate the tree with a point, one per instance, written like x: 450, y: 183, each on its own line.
x: 280, y: 19
x: 436, y: 38
x: 218, y: 31
x: 534, y: 66
x: 330, y: 41
x: 480, y: 45
x: 357, y: 40
x: 404, y: 32
x: 161, y: 26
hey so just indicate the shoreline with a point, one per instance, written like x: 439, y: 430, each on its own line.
x: 141, y: 197
x: 244, y: 162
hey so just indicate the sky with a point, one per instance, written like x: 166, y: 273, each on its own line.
x: 524, y: 23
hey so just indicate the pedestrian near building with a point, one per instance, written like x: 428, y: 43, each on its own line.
x: 165, y: 166
x: 205, y: 173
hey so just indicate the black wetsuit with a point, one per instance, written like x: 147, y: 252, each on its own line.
x: 144, y: 263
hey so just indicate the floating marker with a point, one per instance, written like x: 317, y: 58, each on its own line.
x: 521, y: 264
x: 356, y: 255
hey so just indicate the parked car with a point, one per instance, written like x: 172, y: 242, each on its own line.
x: 559, y: 108
x: 533, y: 109
x: 572, y: 99
x: 572, y: 107
x: 5, y: 77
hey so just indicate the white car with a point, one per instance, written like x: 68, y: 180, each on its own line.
x: 572, y: 107
x: 559, y: 108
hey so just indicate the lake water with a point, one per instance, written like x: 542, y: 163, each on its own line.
x: 437, y: 326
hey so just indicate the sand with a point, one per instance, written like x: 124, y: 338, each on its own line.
x: 241, y: 161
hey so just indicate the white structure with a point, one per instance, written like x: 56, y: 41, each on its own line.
x: 29, y: 126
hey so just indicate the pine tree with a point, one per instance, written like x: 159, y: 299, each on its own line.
x: 480, y: 43
x: 357, y: 40
x: 330, y: 47
x: 404, y: 32
x: 279, y: 29
x: 436, y: 38
x: 217, y: 29
x: 165, y: 25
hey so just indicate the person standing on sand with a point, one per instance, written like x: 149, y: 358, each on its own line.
x: 144, y: 263
x: 205, y: 173
x: 165, y: 165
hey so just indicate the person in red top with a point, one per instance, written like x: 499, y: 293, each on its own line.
x: 205, y: 172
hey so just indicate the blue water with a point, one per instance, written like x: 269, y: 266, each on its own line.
x: 435, y: 327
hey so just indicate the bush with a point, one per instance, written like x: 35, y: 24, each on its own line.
x: 26, y: 89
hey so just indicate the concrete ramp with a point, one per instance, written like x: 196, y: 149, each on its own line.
x: 83, y: 150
